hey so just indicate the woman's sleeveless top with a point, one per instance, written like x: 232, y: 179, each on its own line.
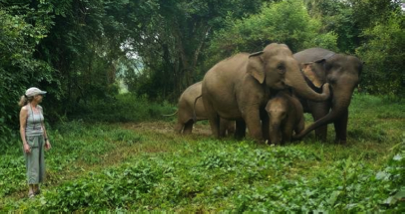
x: 34, y: 122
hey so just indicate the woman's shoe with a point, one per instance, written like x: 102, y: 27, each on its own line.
x: 31, y: 195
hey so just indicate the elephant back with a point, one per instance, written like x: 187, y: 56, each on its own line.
x: 313, y: 55
x: 188, y: 98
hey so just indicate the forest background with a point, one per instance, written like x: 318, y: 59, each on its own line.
x: 129, y: 60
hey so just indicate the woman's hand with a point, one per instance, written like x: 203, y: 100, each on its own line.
x: 47, y: 145
x: 27, y: 148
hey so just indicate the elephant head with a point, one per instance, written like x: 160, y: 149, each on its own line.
x: 276, y: 67
x: 341, y: 71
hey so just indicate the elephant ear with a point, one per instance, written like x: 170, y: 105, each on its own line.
x: 255, y: 67
x: 309, y: 72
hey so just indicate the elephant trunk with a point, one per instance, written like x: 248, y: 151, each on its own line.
x: 339, y: 106
x: 298, y: 82
x: 275, y: 134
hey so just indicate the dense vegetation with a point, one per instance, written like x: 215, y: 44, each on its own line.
x: 84, y: 51
x: 145, y: 168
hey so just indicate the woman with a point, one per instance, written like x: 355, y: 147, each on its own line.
x: 34, y: 138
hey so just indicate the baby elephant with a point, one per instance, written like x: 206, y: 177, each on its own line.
x: 285, y: 115
x: 185, y: 112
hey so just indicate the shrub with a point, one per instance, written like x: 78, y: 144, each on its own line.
x: 384, y: 55
x: 122, y: 108
x: 283, y: 22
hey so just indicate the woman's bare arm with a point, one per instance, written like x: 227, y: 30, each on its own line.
x: 23, y: 124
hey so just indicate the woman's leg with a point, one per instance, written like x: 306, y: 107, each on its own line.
x: 31, y: 191
x: 36, y: 189
x: 34, y: 163
x: 41, y: 156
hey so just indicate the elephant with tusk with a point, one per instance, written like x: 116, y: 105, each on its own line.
x: 342, y: 72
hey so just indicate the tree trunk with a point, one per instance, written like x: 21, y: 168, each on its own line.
x: 189, y: 62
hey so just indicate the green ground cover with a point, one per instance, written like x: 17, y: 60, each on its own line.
x: 145, y: 168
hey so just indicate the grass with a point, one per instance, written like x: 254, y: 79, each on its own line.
x: 146, y: 168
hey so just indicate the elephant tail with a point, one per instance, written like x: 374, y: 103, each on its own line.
x: 171, y: 114
x: 194, y: 114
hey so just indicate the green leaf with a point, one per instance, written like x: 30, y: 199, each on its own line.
x: 333, y: 197
x: 382, y: 175
x: 397, y: 157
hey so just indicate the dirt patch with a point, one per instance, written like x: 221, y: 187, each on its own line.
x: 161, y: 127
x: 164, y: 127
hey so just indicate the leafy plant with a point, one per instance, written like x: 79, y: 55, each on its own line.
x: 385, y: 42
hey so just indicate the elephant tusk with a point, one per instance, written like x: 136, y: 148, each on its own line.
x: 256, y: 54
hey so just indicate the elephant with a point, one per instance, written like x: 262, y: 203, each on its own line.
x: 186, y: 116
x: 239, y: 87
x: 285, y: 116
x: 342, y: 72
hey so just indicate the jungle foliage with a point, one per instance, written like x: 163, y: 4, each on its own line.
x: 79, y: 50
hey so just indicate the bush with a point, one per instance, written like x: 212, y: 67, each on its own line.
x: 384, y: 55
x: 394, y: 173
x: 18, y: 68
x: 122, y: 108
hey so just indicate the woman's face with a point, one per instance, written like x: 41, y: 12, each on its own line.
x: 38, y: 98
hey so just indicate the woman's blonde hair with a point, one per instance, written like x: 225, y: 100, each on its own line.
x: 24, y: 100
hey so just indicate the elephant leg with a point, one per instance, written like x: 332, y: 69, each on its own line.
x: 240, y: 131
x: 341, y: 127
x: 320, y: 111
x: 213, y: 118
x: 188, y: 128
x: 252, y: 119
x: 215, y: 124
x: 287, y: 133
x: 222, y: 127
x: 230, y: 127
x: 178, y: 128
x: 227, y: 126
x: 265, y: 127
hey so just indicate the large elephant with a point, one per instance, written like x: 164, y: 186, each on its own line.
x: 239, y: 87
x: 342, y: 72
x: 285, y: 116
x: 191, y: 110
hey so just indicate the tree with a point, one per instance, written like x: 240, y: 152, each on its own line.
x: 83, y: 47
x: 20, y: 31
x: 61, y: 46
x: 348, y: 18
x: 170, y: 37
x: 384, y: 56
x: 284, y: 22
